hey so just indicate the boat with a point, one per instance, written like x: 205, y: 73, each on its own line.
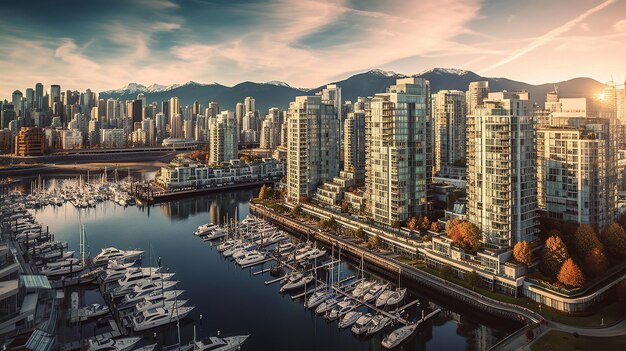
x: 362, y: 324
x: 155, y: 317
x: 167, y: 304
x: 64, y: 269
x: 139, y: 292
x: 296, y: 285
x: 277, y: 270
x: 284, y: 247
x: 340, y: 310
x: 205, y: 229
x: 112, y: 253
x: 230, y: 343
x: 226, y: 245
x: 396, y: 296
x: 107, y: 344
x: 115, y: 274
x: 155, y: 297
x: 91, y: 275
x: 317, y: 298
x: 134, y: 275
x: 375, y: 291
x: 398, y: 336
x: 233, y: 249
x: 251, y: 258
x: 272, y: 239
x: 242, y: 251
x: 349, y: 319
x: 215, y: 234
x: 326, y: 305
x: 129, y: 287
x: 362, y: 288
x: 383, y: 297
x: 378, y: 323
x: 88, y: 312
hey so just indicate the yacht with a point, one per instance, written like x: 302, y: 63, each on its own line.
x: 375, y: 291
x: 129, y: 287
x: 242, y: 251
x: 362, y: 288
x: 205, y: 229
x: 111, y: 253
x: 317, y: 298
x: 284, y: 247
x: 106, y: 344
x: 381, y: 300
x: 326, y: 305
x: 57, y: 254
x: 398, y: 336
x: 396, y: 296
x: 88, y: 312
x: 296, y: 285
x: 155, y: 317
x: 155, y: 297
x: 226, y: 245
x: 236, y: 247
x: 117, y: 273
x: 378, y: 323
x: 139, y: 292
x: 250, y: 258
x: 272, y: 239
x: 133, y: 275
x: 349, y: 319
x: 64, y: 268
x: 167, y: 304
x: 340, y: 310
x: 215, y: 234
x: 231, y: 343
x: 362, y: 324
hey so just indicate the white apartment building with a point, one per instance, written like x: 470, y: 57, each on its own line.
x: 449, y: 118
x: 223, y: 141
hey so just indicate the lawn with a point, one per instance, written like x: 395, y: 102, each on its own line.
x: 558, y: 340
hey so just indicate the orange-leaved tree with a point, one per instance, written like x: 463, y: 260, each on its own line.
x: 522, y: 253
x: 570, y: 275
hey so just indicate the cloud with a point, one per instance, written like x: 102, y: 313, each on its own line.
x: 620, y: 26
x: 549, y: 36
x: 585, y: 27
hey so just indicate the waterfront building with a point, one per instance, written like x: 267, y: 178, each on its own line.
x: 577, y: 170
x: 223, y: 141
x: 475, y: 95
x: 30, y: 141
x: 184, y: 172
x: 354, y: 145
x: 449, y: 118
x: 313, y: 155
x: 71, y: 139
x: 398, y: 151
x: 270, y: 132
x: 112, y: 138
x: 501, y: 183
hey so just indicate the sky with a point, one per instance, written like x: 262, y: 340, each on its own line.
x: 107, y: 44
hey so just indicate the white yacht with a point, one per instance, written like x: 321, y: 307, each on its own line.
x: 272, y: 239
x: 381, y: 301
x: 296, y: 285
x: 117, y: 273
x: 205, y: 229
x: 326, y: 305
x: 362, y: 324
x: 378, y: 323
x: 91, y: 311
x: 242, y: 251
x: 396, y: 296
x: 340, y: 310
x: 133, y: 275
x: 227, y: 245
x: 349, y: 319
x: 128, y: 288
x: 215, y: 234
x: 251, y: 257
x: 375, y: 291
x: 238, y: 245
x: 155, y: 317
x: 317, y: 298
x: 139, y: 292
x: 362, y: 288
x: 230, y: 343
x: 398, y: 336
x: 167, y: 304
x: 67, y: 267
x: 155, y: 297
x: 112, y: 253
x: 106, y: 344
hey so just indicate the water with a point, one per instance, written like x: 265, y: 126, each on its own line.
x: 229, y: 298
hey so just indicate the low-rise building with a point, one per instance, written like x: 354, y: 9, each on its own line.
x: 30, y: 141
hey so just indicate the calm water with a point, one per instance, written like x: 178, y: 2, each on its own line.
x: 232, y: 300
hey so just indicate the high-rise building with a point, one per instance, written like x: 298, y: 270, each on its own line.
x: 54, y: 99
x: 7, y: 114
x: 174, y: 107
x: 112, y: 138
x: 398, y: 151
x: 94, y: 132
x: 30, y: 141
x: 240, y: 111
x: 354, y: 145
x: 16, y: 99
x: 176, y: 126
x: 249, y: 105
x: 501, y: 183
x: 39, y: 96
x: 223, y: 142
x: 449, y: 118
x: 475, y: 95
x: 313, y: 155
x: 270, y: 131
x: 213, y: 109
x: 137, y: 111
x: 576, y: 170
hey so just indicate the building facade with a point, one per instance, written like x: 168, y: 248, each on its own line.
x: 449, y: 118
x: 223, y: 142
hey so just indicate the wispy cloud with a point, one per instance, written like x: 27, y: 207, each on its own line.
x: 549, y: 36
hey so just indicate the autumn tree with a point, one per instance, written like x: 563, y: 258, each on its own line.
x: 465, y: 235
x: 360, y: 233
x: 614, y: 240
x: 345, y: 207
x: 570, y: 275
x: 263, y: 192
x: 434, y: 226
x: 374, y: 242
x: 452, y: 223
x: 585, y: 239
x: 596, y: 263
x: 522, y: 253
x: 425, y: 224
x: 553, y: 256
x: 296, y: 210
x: 412, y: 223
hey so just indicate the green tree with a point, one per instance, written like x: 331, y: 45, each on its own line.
x: 522, y: 253
x: 374, y: 242
x: 585, y: 239
x: 553, y: 256
x: 447, y: 272
x: 473, y: 279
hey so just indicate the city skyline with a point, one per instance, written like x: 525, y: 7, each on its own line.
x: 170, y: 42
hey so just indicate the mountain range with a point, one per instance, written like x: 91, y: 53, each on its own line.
x: 279, y: 94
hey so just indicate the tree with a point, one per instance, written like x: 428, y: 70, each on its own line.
x: 522, y: 253
x: 614, y: 240
x: 412, y: 223
x: 622, y: 220
x: 553, y: 256
x: 451, y: 223
x: 425, y: 224
x: 585, y: 239
x: 447, y: 272
x: 360, y: 233
x: 570, y: 275
x: 263, y: 192
x: 296, y: 210
x: 434, y: 226
x: 465, y: 235
x: 374, y: 242
x: 473, y: 279
x: 345, y: 207
x: 596, y: 263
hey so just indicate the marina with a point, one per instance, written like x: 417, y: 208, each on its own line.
x: 105, y: 228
